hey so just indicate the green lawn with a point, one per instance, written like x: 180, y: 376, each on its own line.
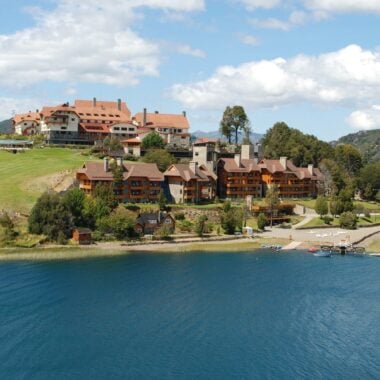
x: 374, y: 246
x: 24, y: 176
x: 310, y: 203
x: 318, y: 222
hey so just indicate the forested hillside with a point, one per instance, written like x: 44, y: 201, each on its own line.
x: 368, y: 143
x: 303, y: 149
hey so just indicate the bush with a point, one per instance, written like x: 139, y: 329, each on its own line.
x: 348, y: 220
x: 163, y: 233
x: 261, y: 221
x: 179, y: 216
x: 185, y: 226
x: 327, y: 219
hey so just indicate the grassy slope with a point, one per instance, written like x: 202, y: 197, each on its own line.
x: 18, y: 172
x: 310, y: 203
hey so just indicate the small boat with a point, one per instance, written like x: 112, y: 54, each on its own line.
x: 313, y: 249
x: 322, y: 254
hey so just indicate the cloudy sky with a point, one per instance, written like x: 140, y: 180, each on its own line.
x: 314, y: 64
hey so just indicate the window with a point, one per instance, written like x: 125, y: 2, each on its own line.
x: 73, y: 119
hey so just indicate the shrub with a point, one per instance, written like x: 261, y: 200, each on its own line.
x: 327, y: 219
x: 348, y: 220
x: 179, y: 216
x: 185, y: 226
x: 261, y: 221
x: 163, y: 232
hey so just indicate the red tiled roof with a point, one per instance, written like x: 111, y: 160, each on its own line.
x: 133, y: 140
x: 30, y: 116
x: 162, y: 120
x: 95, y: 127
x: 205, y: 140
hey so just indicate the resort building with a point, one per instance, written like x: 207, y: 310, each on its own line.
x: 238, y: 178
x: 206, y: 152
x: 141, y: 182
x: 173, y: 128
x: 292, y: 181
x: 244, y: 176
x: 27, y: 124
x: 190, y: 183
x: 132, y: 146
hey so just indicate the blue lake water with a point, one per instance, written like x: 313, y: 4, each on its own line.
x: 204, y: 316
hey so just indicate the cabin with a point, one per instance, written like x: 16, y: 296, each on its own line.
x: 82, y: 236
x: 148, y: 223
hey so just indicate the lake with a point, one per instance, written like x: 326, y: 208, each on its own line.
x: 259, y: 315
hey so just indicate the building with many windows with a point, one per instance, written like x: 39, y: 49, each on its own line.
x: 141, y: 182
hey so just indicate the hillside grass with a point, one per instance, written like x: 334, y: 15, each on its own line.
x: 310, y: 203
x: 362, y: 221
x: 24, y: 176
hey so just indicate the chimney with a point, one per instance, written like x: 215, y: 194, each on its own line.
x: 106, y: 164
x: 247, y: 152
x: 184, y: 113
x: 119, y: 104
x: 144, y: 118
x: 193, y: 166
x: 119, y: 161
x: 310, y: 168
x: 238, y: 159
x: 283, y: 161
x: 37, y: 110
x: 94, y: 102
x: 156, y: 112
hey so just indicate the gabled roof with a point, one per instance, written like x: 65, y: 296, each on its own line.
x: 162, y: 120
x: 95, y: 171
x: 205, y: 140
x: 186, y: 173
x: 273, y: 166
x: 132, y: 141
x: 95, y: 127
x: 152, y: 217
x: 247, y: 166
x: 30, y: 116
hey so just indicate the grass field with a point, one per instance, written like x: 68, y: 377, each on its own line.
x: 310, y: 203
x: 318, y: 222
x: 374, y: 246
x: 24, y: 176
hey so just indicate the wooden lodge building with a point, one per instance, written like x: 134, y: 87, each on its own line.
x: 141, y: 182
x: 245, y: 175
x: 190, y: 183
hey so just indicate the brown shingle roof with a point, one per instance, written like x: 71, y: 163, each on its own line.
x: 184, y: 171
x: 247, y: 166
x: 95, y: 171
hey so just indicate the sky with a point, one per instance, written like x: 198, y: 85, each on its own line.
x: 314, y: 64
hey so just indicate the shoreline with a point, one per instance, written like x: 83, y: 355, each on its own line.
x: 118, y: 249
x: 53, y: 252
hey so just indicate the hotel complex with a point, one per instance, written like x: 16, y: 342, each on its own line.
x: 209, y: 173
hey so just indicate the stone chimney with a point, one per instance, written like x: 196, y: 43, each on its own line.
x: 106, y: 164
x: 247, y: 152
x: 119, y: 104
x: 94, y: 102
x: 193, y: 166
x: 156, y: 112
x: 283, y: 161
x: 237, y: 158
x: 184, y: 113
x: 310, y: 168
x: 144, y: 118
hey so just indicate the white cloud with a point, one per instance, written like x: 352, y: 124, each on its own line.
x: 248, y: 39
x: 365, y: 119
x: 272, y: 23
x: 347, y: 76
x: 86, y: 41
x: 10, y: 106
x: 254, y: 4
x: 344, y: 5
x: 188, y: 50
